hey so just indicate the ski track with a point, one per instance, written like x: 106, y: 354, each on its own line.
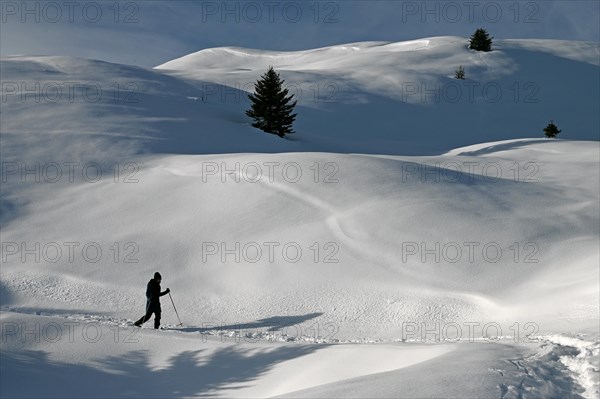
x: 362, y: 249
x: 359, y: 311
x: 254, y: 336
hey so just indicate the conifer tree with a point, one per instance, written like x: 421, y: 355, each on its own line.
x: 272, y: 107
x: 480, y: 40
x: 551, y: 130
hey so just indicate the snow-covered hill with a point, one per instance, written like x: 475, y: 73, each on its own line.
x: 361, y: 276
x: 402, y: 98
x: 378, y: 98
x: 364, y: 242
x: 444, y: 217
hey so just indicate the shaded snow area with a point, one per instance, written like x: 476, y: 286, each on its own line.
x: 401, y: 245
x: 71, y: 355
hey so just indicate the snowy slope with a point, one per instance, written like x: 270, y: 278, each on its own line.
x: 405, y: 96
x: 377, y: 98
x: 371, y: 271
x: 140, y: 364
x: 378, y: 230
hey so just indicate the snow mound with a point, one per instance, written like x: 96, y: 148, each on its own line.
x: 389, y: 235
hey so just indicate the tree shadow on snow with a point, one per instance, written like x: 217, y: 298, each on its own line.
x: 189, y: 373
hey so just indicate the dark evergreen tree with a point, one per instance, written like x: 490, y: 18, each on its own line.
x: 459, y: 73
x: 480, y: 40
x: 272, y: 108
x: 551, y: 130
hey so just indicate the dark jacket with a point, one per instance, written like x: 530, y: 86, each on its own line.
x: 153, y: 294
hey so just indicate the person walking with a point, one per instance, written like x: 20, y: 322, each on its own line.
x: 153, y: 295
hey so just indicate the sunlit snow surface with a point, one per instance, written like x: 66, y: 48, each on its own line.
x: 379, y: 190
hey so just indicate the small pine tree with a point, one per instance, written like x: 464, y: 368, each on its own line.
x: 551, y: 130
x: 272, y: 107
x: 459, y: 73
x: 480, y: 40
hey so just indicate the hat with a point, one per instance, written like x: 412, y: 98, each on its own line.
x: 157, y: 276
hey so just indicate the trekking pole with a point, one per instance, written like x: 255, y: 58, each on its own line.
x: 180, y: 323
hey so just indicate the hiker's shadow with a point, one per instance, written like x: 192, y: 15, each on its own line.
x: 269, y: 324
